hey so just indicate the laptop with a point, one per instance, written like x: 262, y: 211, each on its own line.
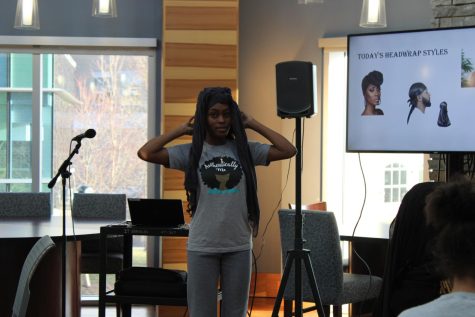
x: 161, y: 213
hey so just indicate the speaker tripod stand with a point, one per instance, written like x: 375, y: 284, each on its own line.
x: 298, y: 254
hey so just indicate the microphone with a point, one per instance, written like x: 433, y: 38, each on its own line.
x: 90, y: 133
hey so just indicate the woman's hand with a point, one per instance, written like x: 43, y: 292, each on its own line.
x: 154, y: 150
x: 280, y: 149
x: 187, y: 127
x: 246, y: 119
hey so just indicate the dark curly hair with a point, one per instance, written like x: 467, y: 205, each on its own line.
x: 207, y: 98
x: 451, y: 210
x: 373, y: 78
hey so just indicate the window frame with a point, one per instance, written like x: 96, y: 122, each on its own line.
x: 39, y: 45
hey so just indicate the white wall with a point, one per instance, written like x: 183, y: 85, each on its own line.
x: 273, y: 31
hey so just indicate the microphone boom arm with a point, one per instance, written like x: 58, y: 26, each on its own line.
x: 63, y: 169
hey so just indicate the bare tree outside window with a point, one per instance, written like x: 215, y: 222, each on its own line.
x: 110, y: 95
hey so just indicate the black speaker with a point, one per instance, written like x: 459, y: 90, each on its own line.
x: 296, y: 84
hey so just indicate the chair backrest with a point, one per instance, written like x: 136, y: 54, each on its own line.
x: 104, y: 206
x: 25, y: 204
x: 320, y: 205
x: 99, y: 206
x: 320, y: 231
x: 37, y: 252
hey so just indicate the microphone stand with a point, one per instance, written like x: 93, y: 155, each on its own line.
x: 64, y: 173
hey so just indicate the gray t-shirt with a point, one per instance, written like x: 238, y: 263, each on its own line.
x: 455, y: 304
x: 220, y: 223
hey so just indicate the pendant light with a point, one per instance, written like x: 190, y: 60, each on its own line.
x: 104, y: 8
x: 27, y: 15
x: 373, y: 14
x: 309, y: 1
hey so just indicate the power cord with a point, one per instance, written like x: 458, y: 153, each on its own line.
x: 77, y: 276
x: 364, y: 196
x: 276, y: 207
x: 255, y: 259
x: 471, y: 165
x: 360, y: 310
x: 70, y: 193
x: 255, y: 284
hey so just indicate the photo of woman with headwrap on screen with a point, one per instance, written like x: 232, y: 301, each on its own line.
x: 371, y: 86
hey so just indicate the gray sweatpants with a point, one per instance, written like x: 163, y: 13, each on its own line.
x: 204, y: 270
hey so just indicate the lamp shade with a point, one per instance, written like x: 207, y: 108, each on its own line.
x: 373, y: 14
x: 104, y: 8
x: 27, y: 16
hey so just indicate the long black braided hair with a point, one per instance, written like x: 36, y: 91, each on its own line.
x: 207, y: 98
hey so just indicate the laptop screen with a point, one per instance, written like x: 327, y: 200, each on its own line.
x: 156, y: 212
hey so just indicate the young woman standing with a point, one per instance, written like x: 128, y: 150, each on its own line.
x: 221, y: 188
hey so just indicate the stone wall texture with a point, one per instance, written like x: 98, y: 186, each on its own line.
x: 453, y: 13
x: 445, y: 14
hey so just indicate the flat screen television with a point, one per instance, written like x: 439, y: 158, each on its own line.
x: 426, y: 100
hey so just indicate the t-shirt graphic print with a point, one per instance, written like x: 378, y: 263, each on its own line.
x: 221, y: 175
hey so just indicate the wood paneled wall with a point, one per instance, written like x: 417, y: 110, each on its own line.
x: 200, y: 48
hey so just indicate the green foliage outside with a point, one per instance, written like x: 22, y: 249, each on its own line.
x: 467, y: 68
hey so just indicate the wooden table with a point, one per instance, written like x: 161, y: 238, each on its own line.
x: 17, y: 236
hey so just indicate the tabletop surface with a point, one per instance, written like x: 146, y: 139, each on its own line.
x: 128, y: 228
x: 33, y: 227
x: 19, y: 227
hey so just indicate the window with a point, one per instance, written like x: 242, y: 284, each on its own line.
x: 47, y: 97
x: 372, y: 184
x: 395, y: 182
x: 56, y: 88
